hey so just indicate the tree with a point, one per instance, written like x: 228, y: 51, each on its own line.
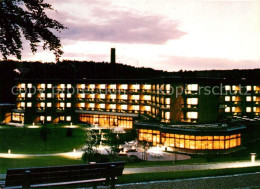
x: 27, y: 18
x: 91, y: 144
x: 113, y: 141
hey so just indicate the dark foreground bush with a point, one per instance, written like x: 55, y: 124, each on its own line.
x: 100, y: 158
x: 69, y: 132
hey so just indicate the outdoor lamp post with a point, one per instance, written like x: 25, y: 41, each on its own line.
x: 253, y: 155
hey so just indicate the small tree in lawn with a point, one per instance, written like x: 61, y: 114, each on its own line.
x: 113, y: 141
x: 90, y: 151
x: 145, y: 148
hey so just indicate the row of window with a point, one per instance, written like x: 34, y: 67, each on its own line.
x: 190, y: 141
x: 49, y: 118
x: 237, y: 98
x: 238, y: 109
x: 107, y: 120
x: 237, y: 88
x: 42, y: 104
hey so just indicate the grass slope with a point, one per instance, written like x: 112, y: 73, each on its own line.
x: 28, y: 141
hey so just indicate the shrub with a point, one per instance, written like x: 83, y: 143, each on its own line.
x: 44, y: 131
x: 69, y: 132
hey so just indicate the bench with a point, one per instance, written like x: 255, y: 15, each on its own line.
x: 89, y: 174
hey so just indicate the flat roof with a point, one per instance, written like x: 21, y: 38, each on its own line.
x: 215, y: 128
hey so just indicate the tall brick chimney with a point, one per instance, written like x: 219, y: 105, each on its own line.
x: 113, y: 56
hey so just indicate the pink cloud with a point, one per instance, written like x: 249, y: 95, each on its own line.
x: 176, y: 63
x: 111, y: 24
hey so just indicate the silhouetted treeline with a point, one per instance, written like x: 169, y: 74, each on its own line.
x: 102, y: 70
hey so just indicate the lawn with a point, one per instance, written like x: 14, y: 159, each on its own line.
x: 29, y: 141
x: 6, y: 163
x: 143, y: 177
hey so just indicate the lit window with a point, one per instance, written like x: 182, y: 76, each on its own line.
x: 49, y: 86
x: 135, y: 107
x: 68, y: 118
x: 49, y: 95
x: 42, y: 86
x: 69, y: 95
x: 102, y: 96
x: 49, y: 104
x: 193, y: 101
x: 135, y: 97
x: 147, y: 108
x: 62, y: 86
x: 168, y: 87
x: 124, y: 97
x: 102, y: 86
x: 167, y: 115
x: 82, y: 86
x: 124, y: 107
x: 62, y: 118
x: 29, y: 104
x: 248, y: 88
x: 29, y: 85
x: 254, y: 109
x: 192, y: 115
x: 227, y: 109
x: 92, y: 105
x: 136, y: 87
x: 248, y: 98
x: 147, y: 97
x: 234, y: 87
x: 192, y: 87
x: 82, y: 95
x: 42, y: 104
x: 112, y: 106
x: 48, y: 118
x: 102, y: 106
x: 23, y: 85
x: 233, y: 109
x: 62, y: 95
x: 42, y: 95
x: 29, y: 95
x: 227, y: 98
x: 113, y: 96
x: 68, y: 104
x: 112, y: 86
x: 147, y: 87
x: 68, y: 86
x: 124, y: 86
x: 248, y: 109
x: 227, y: 87
x: 167, y: 101
x: 234, y: 98
x: 92, y: 86
x: 22, y: 95
x: 255, y: 88
x: 92, y: 96
x: 22, y: 104
x: 62, y: 104
x: 42, y: 118
x: 254, y: 98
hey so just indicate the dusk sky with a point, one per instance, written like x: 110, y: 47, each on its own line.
x: 166, y: 34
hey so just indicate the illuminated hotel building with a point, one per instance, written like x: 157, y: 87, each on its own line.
x: 179, y: 113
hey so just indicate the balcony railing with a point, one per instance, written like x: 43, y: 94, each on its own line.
x: 40, y: 109
x: 40, y: 98
x: 190, y: 106
x: 20, y: 98
x: 107, y: 110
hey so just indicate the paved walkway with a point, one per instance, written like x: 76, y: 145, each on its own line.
x: 190, y: 167
x: 246, y: 180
